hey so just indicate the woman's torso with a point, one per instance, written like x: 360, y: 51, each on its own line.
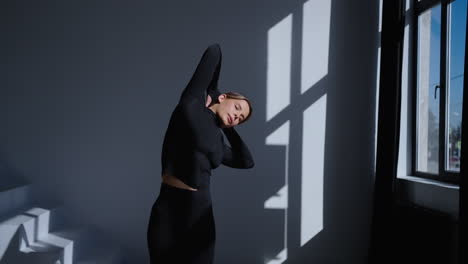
x: 192, y: 147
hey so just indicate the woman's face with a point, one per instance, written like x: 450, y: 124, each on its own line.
x: 232, y: 111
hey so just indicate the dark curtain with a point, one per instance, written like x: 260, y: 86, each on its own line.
x: 388, y: 129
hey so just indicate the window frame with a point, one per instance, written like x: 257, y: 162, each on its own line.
x: 420, y: 7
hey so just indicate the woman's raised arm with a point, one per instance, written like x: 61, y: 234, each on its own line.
x: 205, y: 78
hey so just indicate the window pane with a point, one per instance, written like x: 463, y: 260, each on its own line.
x: 455, y: 55
x: 428, y: 94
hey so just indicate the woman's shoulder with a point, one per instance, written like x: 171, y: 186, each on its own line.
x: 191, y: 104
x: 195, y: 112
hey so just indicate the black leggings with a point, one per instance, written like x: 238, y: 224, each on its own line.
x: 181, y: 228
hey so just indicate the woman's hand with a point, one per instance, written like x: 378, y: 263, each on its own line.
x: 208, y: 100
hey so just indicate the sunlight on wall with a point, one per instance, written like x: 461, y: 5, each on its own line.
x: 279, y: 67
x: 280, y: 137
x: 314, y: 67
x: 278, y: 98
x: 315, y: 42
x: 313, y: 150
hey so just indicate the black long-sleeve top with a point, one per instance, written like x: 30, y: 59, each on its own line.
x: 193, y: 144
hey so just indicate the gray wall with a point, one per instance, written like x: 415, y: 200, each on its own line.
x: 88, y: 87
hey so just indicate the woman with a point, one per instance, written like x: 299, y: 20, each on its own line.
x: 181, y: 228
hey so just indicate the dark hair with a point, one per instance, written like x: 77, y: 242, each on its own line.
x: 238, y: 96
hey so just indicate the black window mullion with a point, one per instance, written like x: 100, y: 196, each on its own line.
x: 449, y: 177
x: 422, y: 6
